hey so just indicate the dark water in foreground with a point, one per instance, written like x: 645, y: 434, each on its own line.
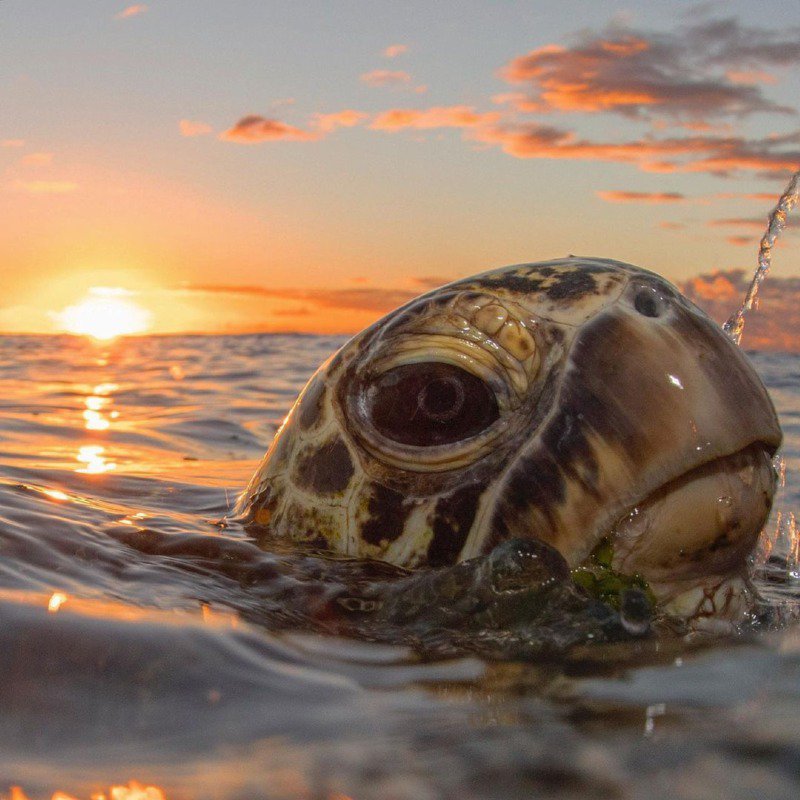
x: 144, y: 640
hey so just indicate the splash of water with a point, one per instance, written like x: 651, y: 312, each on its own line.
x: 734, y: 326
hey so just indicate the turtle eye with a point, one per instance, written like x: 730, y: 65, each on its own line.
x: 430, y: 404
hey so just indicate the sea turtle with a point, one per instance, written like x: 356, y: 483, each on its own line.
x: 576, y: 401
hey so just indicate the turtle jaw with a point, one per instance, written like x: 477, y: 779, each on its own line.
x: 690, y: 539
x: 716, y: 606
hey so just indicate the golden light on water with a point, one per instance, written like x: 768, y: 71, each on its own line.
x: 55, y: 494
x: 106, y: 313
x: 133, y: 790
x: 57, y: 599
x: 92, y: 460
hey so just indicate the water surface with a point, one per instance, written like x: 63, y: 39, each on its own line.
x: 144, y: 638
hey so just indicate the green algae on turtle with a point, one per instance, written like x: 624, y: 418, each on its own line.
x: 566, y: 401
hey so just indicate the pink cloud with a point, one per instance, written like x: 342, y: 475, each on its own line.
x: 394, y: 50
x: 776, y: 324
x: 756, y: 223
x: 348, y: 118
x: 766, y: 197
x: 750, y: 77
x: 713, y: 154
x: 434, y: 117
x: 254, y: 129
x: 378, y: 299
x: 46, y: 187
x: 709, y: 69
x: 37, y: 159
x: 386, y: 77
x: 192, y: 128
x: 132, y: 11
x: 672, y: 226
x: 641, y: 197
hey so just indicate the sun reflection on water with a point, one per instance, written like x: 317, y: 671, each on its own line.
x: 97, y: 415
x: 55, y: 494
x: 57, y: 599
x: 93, y: 461
x: 133, y: 790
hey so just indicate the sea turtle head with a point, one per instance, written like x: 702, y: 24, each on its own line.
x: 574, y: 401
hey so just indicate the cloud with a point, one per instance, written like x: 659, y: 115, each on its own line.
x: 393, y: 79
x: 194, y: 128
x: 361, y: 299
x: 394, y: 50
x: 12, y: 143
x: 767, y: 197
x: 775, y: 325
x: 672, y: 226
x: 45, y: 187
x: 37, y: 159
x: 718, y: 155
x: 254, y: 129
x: 707, y: 70
x: 759, y: 223
x: 750, y: 77
x: 757, y: 226
x: 132, y: 11
x: 434, y: 117
x: 430, y: 281
x: 641, y: 197
x: 385, y: 77
x: 347, y: 118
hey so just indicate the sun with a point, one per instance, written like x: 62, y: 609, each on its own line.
x: 106, y: 313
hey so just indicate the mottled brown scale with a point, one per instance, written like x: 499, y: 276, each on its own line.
x: 326, y: 469
x: 387, y: 512
x: 453, y: 518
x: 620, y: 410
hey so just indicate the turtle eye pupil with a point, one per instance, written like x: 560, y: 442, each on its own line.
x: 442, y: 399
x: 430, y: 404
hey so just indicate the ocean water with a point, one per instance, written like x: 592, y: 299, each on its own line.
x: 147, y: 645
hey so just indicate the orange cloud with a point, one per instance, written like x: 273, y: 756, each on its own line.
x: 132, y: 11
x: 741, y: 241
x: 672, y: 226
x: 750, y: 77
x: 46, y: 187
x: 738, y: 222
x: 435, y: 117
x: 766, y: 197
x: 641, y: 197
x: 12, y: 143
x: 714, y: 154
x: 394, y: 50
x: 254, y: 129
x: 339, y: 119
x: 385, y: 77
x: 192, y: 128
x: 776, y: 323
x: 37, y: 159
x: 360, y: 299
x: 694, y: 73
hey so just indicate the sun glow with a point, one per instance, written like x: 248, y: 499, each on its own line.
x: 104, y: 314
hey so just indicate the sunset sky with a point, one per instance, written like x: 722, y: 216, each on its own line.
x: 254, y: 165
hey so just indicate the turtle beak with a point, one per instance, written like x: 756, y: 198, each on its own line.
x: 691, y: 538
x: 661, y: 438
